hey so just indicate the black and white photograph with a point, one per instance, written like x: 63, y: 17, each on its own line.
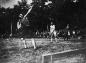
x: 42, y: 31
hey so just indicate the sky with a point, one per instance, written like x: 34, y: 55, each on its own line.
x: 11, y: 3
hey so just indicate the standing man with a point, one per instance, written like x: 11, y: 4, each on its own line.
x: 68, y: 32
x: 52, y: 28
x: 68, y: 29
x: 52, y: 31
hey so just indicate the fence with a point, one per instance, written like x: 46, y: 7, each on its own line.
x: 55, y: 57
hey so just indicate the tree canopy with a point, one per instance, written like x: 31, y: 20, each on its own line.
x: 61, y: 12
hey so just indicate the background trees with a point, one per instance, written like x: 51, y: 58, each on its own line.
x: 61, y: 12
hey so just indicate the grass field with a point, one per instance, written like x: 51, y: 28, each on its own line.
x: 13, y: 51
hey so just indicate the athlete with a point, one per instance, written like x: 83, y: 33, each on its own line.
x: 52, y: 27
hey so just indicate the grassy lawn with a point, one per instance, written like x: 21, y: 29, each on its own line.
x: 11, y: 53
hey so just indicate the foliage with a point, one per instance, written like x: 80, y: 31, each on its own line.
x: 61, y: 12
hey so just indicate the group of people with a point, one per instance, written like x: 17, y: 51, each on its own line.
x: 52, y: 27
x: 52, y: 30
x: 66, y: 34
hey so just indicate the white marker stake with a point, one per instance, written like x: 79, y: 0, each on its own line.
x: 51, y: 39
x: 56, y: 39
x: 34, y: 44
x: 24, y: 42
x: 25, y: 46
